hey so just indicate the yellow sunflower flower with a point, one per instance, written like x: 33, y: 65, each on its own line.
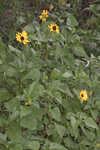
x: 44, y: 15
x: 42, y: 18
x: 54, y: 28
x: 83, y: 95
x: 22, y: 37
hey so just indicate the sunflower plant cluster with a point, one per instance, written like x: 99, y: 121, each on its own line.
x: 50, y: 80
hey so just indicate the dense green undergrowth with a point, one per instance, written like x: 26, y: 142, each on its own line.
x: 40, y: 81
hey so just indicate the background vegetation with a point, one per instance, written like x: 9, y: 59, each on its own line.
x: 40, y: 82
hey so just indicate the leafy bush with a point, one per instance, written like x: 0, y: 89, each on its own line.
x: 50, y: 79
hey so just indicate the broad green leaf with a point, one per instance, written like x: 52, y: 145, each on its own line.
x: 97, y: 104
x: 33, y: 88
x: 16, y: 147
x: 78, y: 50
x: 89, y: 135
x: 71, y: 21
x: 4, y: 94
x: 3, y: 121
x: 24, y: 111
x: 58, y: 51
x: 38, y: 112
x: 1, y: 62
x: 67, y: 74
x: 58, y: 97
x: 2, y: 49
x: 69, y: 143
x: 14, y: 132
x: 29, y: 28
x: 60, y: 130
x: 33, y: 74
x: 55, y: 74
x: 29, y: 122
x: 12, y: 105
x: 20, y: 20
x: 73, y: 122
x: 74, y: 125
x: 14, y: 50
x: 75, y: 38
x: 55, y: 146
x: 55, y: 113
x: 90, y: 123
x: 11, y: 72
x: 33, y: 145
x: 3, y: 137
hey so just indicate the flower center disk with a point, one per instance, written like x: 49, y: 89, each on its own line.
x: 54, y: 27
x: 82, y: 95
x: 22, y: 38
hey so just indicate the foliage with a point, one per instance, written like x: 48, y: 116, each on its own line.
x: 41, y: 80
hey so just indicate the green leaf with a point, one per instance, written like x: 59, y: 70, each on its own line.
x: 33, y: 145
x: 58, y: 51
x: 29, y: 122
x: 38, y: 113
x: 74, y: 125
x: 32, y: 87
x: 3, y: 121
x: 55, y: 74
x: 11, y: 72
x: 12, y: 105
x: 35, y: 89
x: 2, y: 49
x: 67, y: 74
x: 3, y: 137
x: 73, y: 122
x: 24, y: 111
x: 71, y: 21
x: 78, y: 50
x: 89, y: 135
x: 14, y: 50
x: 69, y: 143
x: 36, y: 110
x: 29, y: 28
x: 20, y: 20
x: 60, y: 130
x: 97, y: 104
x: 55, y: 146
x: 55, y: 113
x: 91, y: 123
x: 33, y: 74
x: 16, y: 147
x: 4, y: 94
x: 14, y: 132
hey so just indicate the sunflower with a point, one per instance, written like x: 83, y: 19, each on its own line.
x: 22, y: 37
x: 83, y: 95
x: 54, y: 28
x: 42, y: 18
x: 44, y: 15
